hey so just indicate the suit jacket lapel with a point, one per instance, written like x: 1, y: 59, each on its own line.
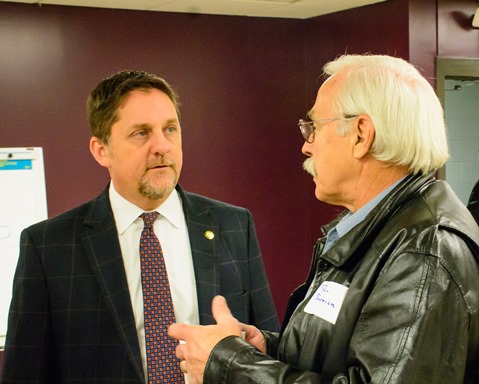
x: 205, y: 244
x: 104, y: 252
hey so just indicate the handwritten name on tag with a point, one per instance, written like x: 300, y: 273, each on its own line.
x: 326, y: 301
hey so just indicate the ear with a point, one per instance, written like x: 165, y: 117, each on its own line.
x: 363, y: 135
x: 100, y: 151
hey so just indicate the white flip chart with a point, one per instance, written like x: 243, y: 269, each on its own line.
x: 22, y: 202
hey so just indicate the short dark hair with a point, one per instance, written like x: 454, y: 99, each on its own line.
x: 107, y: 97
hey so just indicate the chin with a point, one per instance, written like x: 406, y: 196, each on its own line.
x: 319, y: 195
x: 156, y: 191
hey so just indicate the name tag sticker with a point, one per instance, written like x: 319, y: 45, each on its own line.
x: 326, y: 301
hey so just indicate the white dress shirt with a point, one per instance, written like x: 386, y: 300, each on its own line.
x: 172, y: 232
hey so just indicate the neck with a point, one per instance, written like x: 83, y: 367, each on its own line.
x: 374, y: 181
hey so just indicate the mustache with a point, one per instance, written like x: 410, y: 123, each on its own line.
x: 160, y: 162
x: 308, y: 166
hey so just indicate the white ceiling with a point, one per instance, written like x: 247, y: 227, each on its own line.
x: 294, y: 9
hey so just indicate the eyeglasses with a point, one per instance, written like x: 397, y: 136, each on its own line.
x: 308, y: 130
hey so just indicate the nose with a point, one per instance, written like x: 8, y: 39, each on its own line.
x: 160, y: 145
x: 306, y: 149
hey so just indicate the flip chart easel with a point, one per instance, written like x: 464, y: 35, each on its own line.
x: 23, y: 202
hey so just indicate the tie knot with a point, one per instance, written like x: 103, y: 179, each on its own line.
x: 149, y: 218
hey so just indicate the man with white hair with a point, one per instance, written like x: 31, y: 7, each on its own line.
x: 393, y: 292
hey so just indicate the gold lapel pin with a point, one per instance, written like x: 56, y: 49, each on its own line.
x: 209, y: 235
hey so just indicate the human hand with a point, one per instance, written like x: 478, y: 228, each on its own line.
x: 200, y: 340
x: 254, y: 336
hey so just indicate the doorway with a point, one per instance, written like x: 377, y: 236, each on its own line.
x: 457, y: 86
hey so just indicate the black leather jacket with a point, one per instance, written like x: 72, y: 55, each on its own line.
x: 410, y: 314
x: 473, y: 203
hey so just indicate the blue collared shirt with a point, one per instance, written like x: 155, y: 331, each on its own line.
x: 350, y: 220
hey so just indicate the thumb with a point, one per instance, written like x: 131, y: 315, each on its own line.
x: 220, y: 310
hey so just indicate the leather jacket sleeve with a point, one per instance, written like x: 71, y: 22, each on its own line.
x: 272, y: 342
x: 233, y: 360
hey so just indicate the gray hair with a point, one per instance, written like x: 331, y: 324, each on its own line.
x: 406, y: 113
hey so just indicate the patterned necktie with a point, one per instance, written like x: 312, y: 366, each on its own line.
x: 163, y: 365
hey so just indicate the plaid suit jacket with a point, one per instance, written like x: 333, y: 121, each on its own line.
x: 71, y: 319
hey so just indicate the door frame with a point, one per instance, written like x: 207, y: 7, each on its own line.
x: 457, y: 68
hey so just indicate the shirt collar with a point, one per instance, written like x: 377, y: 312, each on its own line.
x: 126, y: 213
x: 352, y: 219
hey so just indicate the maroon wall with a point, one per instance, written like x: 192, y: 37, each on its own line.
x: 423, y: 36
x: 243, y: 82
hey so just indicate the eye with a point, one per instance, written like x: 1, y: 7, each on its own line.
x: 171, y: 129
x: 142, y: 133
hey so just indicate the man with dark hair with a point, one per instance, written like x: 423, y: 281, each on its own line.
x: 96, y: 287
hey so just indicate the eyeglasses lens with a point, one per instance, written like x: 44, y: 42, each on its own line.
x: 307, y: 129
